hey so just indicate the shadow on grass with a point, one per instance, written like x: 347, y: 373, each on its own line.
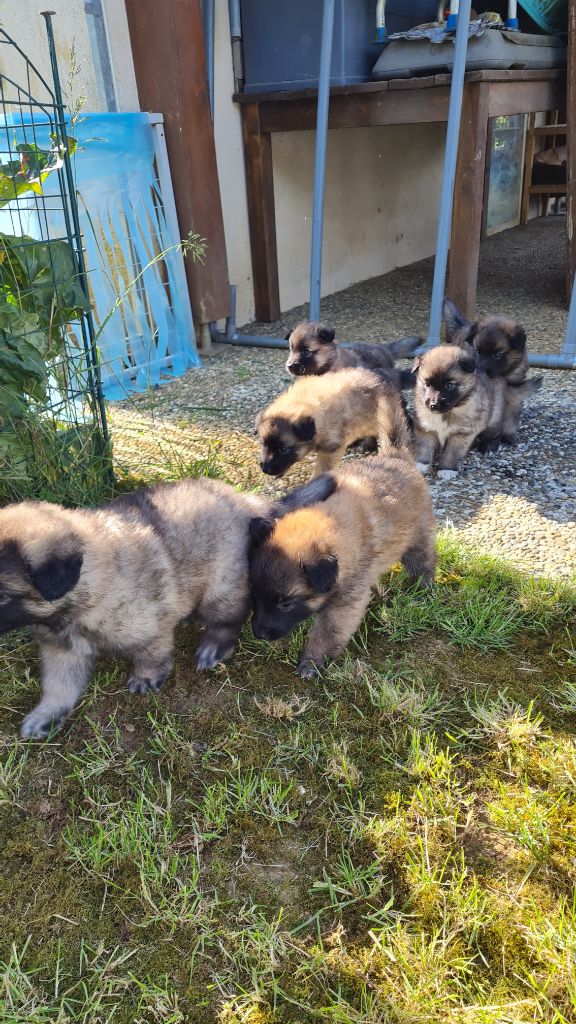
x: 392, y: 843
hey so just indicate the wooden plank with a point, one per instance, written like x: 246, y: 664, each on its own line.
x: 468, y: 199
x: 423, y: 82
x: 170, y: 66
x: 359, y: 111
x: 571, y: 152
x: 261, y: 214
x: 528, y: 161
x: 524, y: 97
x: 551, y: 129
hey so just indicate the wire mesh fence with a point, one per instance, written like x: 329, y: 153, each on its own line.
x: 53, y: 433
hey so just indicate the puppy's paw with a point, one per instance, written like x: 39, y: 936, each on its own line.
x: 510, y: 439
x: 145, y: 684
x: 424, y: 467
x: 307, y: 669
x: 447, y: 474
x: 211, y: 653
x: 488, y: 443
x: 39, y: 725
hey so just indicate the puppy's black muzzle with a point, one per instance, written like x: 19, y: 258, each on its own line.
x: 296, y: 369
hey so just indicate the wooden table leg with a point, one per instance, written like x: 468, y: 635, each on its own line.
x: 468, y: 199
x: 261, y: 214
x: 571, y: 152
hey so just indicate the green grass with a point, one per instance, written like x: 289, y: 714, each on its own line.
x: 392, y: 844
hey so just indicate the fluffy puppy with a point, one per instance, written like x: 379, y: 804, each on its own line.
x: 456, y: 405
x: 314, y: 351
x: 323, y: 561
x: 118, y: 579
x: 500, y: 347
x: 323, y: 415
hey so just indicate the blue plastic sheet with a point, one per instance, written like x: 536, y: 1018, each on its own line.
x: 136, y: 273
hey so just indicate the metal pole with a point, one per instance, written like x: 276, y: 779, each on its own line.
x: 88, y: 331
x: 451, y: 154
x: 570, y: 339
x: 320, y: 158
x: 101, y: 51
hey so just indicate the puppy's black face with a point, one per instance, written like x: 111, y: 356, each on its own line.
x: 286, y: 590
x: 27, y: 593
x: 500, y: 345
x: 312, y: 350
x: 445, y: 382
x: 283, y: 442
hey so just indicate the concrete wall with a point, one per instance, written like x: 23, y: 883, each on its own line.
x: 382, y: 184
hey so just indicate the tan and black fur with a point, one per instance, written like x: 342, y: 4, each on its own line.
x: 322, y: 415
x: 499, y: 344
x: 323, y: 561
x: 314, y: 350
x: 119, y: 579
x: 456, y: 405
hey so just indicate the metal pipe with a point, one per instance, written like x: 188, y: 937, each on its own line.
x: 570, y: 339
x: 450, y: 158
x: 236, y: 42
x: 235, y: 22
x: 452, y: 22
x: 564, y: 361
x: 320, y: 158
x: 101, y: 52
x: 512, y: 19
x: 208, y: 20
x: 230, y: 336
x: 381, y: 32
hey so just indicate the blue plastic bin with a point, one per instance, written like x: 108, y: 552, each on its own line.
x: 281, y: 40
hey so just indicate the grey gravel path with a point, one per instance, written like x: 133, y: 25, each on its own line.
x: 518, y: 504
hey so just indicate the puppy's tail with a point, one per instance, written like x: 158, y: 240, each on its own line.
x: 404, y: 347
x: 314, y: 491
x: 394, y: 427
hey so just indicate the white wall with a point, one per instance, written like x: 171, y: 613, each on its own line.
x: 382, y: 184
x: 21, y: 20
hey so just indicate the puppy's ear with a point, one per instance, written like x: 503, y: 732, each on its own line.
x: 260, y: 529
x: 308, y: 494
x: 304, y: 428
x: 326, y: 334
x: 453, y: 319
x: 287, y: 335
x: 322, y: 575
x: 472, y: 333
x: 416, y: 364
x: 467, y: 365
x: 57, y: 575
x: 518, y: 339
x: 258, y: 421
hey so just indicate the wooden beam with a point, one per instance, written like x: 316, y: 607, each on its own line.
x: 261, y: 214
x: 170, y: 65
x: 571, y: 152
x: 468, y: 199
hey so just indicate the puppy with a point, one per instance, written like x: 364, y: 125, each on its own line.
x: 120, y: 578
x: 456, y: 404
x: 500, y: 347
x: 320, y: 414
x: 323, y: 561
x: 314, y: 350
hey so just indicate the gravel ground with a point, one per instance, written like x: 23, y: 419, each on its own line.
x: 519, y: 504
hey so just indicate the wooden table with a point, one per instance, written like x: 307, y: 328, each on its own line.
x: 401, y: 101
